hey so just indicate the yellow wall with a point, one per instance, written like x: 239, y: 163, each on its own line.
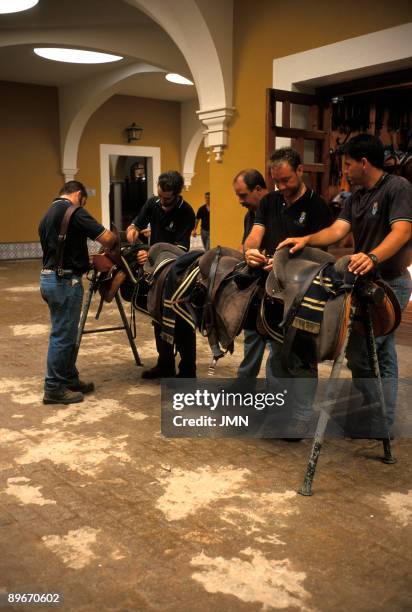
x: 29, y: 158
x: 161, y: 123
x: 195, y: 195
x: 263, y: 31
x: 30, y: 152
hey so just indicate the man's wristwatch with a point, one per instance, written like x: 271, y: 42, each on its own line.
x: 374, y: 259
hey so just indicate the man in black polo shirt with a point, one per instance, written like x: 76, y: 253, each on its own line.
x: 171, y: 220
x: 250, y: 188
x: 380, y: 216
x: 64, y: 292
x: 293, y: 209
x: 203, y: 217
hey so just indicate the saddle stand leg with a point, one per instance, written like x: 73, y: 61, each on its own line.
x: 85, y: 310
x: 127, y: 329
x: 374, y: 364
x: 306, y: 488
x: 324, y: 417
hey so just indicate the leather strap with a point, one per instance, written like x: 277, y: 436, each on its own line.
x: 61, y: 241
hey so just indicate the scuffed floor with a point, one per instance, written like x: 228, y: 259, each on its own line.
x: 96, y: 505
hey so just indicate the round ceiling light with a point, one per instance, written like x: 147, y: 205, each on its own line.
x: 177, y: 78
x: 76, y: 56
x: 15, y: 6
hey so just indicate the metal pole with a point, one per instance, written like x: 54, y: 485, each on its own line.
x: 374, y: 364
x: 85, y: 312
x: 306, y: 488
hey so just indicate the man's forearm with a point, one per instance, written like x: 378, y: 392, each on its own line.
x: 252, y: 242
x: 328, y: 236
x: 392, y: 243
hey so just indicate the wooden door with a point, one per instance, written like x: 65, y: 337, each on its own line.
x: 317, y: 132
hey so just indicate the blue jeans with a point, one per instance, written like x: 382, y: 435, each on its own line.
x: 64, y: 298
x: 253, y: 350
x: 205, y: 234
x: 302, y: 390
x: 357, y: 354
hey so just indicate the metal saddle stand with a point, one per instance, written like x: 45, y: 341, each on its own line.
x: 324, y: 417
x: 85, y: 310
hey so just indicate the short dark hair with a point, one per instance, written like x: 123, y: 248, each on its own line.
x: 252, y: 178
x: 207, y: 193
x: 171, y: 181
x: 368, y: 146
x: 286, y: 155
x: 72, y: 187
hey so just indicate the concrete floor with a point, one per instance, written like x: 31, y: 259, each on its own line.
x: 96, y: 505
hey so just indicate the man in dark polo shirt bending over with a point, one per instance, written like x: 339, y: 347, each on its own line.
x: 64, y: 293
x: 380, y: 216
x: 293, y: 209
x: 171, y: 220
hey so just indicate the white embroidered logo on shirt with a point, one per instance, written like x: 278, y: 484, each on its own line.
x: 375, y: 206
x: 302, y: 218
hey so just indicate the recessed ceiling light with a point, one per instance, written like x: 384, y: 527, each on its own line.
x: 15, y: 6
x: 76, y: 56
x: 177, y: 78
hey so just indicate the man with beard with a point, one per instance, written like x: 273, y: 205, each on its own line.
x: 250, y: 188
x: 171, y: 220
x: 379, y: 214
x: 289, y: 211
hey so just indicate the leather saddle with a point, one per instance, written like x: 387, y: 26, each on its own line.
x: 156, y: 268
x: 111, y: 270
x: 316, y: 292
x: 229, y: 288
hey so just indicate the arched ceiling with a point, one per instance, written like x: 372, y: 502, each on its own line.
x: 190, y: 37
x: 106, y: 25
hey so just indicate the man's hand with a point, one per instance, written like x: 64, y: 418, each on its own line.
x: 141, y: 256
x: 269, y: 265
x: 194, y: 233
x: 132, y: 234
x: 255, y: 259
x: 295, y: 244
x: 146, y: 232
x: 361, y: 264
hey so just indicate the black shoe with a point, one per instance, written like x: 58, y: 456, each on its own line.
x: 63, y: 396
x: 83, y: 387
x: 157, y: 372
x: 186, y: 375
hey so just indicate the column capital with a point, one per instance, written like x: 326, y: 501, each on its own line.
x: 216, y: 121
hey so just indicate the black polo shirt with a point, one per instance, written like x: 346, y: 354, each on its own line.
x: 248, y: 222
x: 307, y: 215
x: 371, y: 213
x: 204, y: 215
x: 81, y: 226
x: 174, y: 226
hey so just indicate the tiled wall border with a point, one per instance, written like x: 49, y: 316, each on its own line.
x: 31, y: 250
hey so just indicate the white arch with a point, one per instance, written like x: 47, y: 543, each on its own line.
x: 204, y: 34
x: 190, y: 156
x: 78, y: 101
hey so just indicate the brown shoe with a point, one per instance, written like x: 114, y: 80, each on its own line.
x: 63, y: 396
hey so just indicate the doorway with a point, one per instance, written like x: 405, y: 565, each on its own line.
x: 142, y: 164
x: 128, y: 188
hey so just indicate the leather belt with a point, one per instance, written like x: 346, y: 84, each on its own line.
x: 51, y: 270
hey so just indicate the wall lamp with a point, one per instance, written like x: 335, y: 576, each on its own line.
x: 134, y: 132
